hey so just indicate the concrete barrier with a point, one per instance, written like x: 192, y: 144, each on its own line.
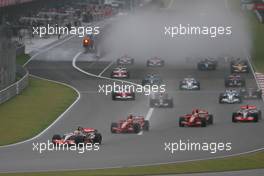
x: 17, y: 87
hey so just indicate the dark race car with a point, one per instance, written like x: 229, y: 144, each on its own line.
x: 230, y: 97
x: 120, y: 72
x: 88, y: 44
x: 239, y: 66
x: 189, y: 83
x: 235, y: 80
x: 81, y: 135
x: 133, y: 124
x: 123, y: 95
x: 161, y: 100
x: 155, y: 62
x: 198, y: 118
x: 151, y: 79
x: 247, y: 113
x: 125, y: 60
x: 207, y: 64
x: 251, y: 93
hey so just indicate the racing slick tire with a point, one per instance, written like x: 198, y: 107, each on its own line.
x: 220, y: 99
x: 146, y: 125
x: 56, y: 137
x: 133, y: 96
x: 234, y: 117
x: 113, y: 125
x: 136, y: 127
x: 256, y: 117
x: 98, y: 138
x: 180, y: 122
x: 203, y: 123
x: 113, y: 96
x: 210, y: 119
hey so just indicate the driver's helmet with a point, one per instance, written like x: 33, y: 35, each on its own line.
x: 195, y: 111
x: 80, y: 128
x: 76, y: 132
x: 130, y: 117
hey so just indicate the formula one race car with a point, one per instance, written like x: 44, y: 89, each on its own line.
x: 207, y: 64
x: 235, y: 80
x: 155, y: 62
x: 123, y: 95
x: 151, y: 79
x: 81, y: 135
x: 125, y: 60
x: 247, y: 113
x: 161, y: 100
x: 230, y: 97
x: 120, y: 72
x: 251, y: 93
x: 133, y: 124
x: 189, y: 83
x: 88, y: 43
x: 239, y: 66
x: 198, y: 118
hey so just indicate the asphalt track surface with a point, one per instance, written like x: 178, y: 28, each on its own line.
x: 98, y: 111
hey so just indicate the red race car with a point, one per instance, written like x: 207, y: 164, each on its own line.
x: 247, y: 113
x: 133, y: 124
x: 123, y: 95
x: 120, y: 72
x: 198, y: 118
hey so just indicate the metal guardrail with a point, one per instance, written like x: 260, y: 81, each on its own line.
x: 17, y: 87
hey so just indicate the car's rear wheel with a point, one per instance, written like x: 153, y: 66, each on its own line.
x: 113, y: 126
x: 211, y: 119
x: 181, y: 120
x: 136, y: 127
x: 98, y: 138
x: 56, y: 137
x: 203, y: 123
x: 234, y: 117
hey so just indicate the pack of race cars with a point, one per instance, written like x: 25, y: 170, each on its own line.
x: 236, y: 92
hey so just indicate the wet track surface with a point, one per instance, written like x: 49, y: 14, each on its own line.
x: 98, y: 111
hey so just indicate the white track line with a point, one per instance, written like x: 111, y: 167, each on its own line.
x: 78, y: 98
x: 67, y: 110
x: 106, y: 68
x: 148, y: 116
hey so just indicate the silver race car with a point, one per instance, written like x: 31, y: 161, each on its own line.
x: 161, y: 100
x: 155, y: 62
x: 125, y: 60
x: 230, y: 97
x: 189, y: 83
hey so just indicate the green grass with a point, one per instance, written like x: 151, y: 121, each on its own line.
x: 33, y: 110
x: 22, y: 59
x: 249, y: 161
